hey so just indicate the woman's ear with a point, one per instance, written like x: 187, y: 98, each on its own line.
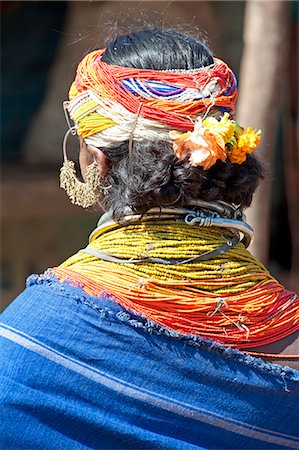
x: 88, y: 154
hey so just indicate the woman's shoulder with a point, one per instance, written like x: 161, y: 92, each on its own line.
x: 59, y: 343
x: 62, y: 314
x: 49, y: 306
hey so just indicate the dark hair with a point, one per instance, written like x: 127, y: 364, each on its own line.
x: 157, y: 48
x: 152, y: 175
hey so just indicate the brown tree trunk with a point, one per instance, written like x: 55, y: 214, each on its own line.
x: 291, y: 151
x: 263, y: 69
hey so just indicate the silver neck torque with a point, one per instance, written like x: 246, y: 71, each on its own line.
x: 203, y: 214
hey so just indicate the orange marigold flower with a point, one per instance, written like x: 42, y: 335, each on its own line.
x: 215, y: 151
x: 237, y: 157
x: 199, y: 145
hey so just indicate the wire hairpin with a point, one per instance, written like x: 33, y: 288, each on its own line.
x: 65, y: 105
x: 133, y: 129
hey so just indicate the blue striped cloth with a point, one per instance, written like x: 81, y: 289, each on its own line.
x: 80, y: 372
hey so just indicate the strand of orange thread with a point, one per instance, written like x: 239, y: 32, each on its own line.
x: 105, y: 80
x: 226, y: 327
x: 271, y: 355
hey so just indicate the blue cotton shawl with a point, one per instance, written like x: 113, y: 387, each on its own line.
x: 80, y: 372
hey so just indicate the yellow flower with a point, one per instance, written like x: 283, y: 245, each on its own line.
x: 248, y: 141
x: 223, y: 130
x: 246, y: 144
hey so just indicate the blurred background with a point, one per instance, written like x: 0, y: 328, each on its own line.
x: 41, y: 45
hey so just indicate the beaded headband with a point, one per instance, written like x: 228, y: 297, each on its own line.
x: 104, y: 101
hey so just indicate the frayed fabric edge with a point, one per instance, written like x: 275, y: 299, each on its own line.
x: 137, y: 320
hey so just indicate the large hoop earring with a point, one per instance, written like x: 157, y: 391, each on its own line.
x: 81, y: 194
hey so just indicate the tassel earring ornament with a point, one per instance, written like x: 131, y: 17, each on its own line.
x: 81, y: 194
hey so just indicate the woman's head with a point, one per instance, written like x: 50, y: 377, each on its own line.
x: 133, y: 95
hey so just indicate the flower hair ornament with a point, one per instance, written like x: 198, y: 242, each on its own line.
x: 214, y: 139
